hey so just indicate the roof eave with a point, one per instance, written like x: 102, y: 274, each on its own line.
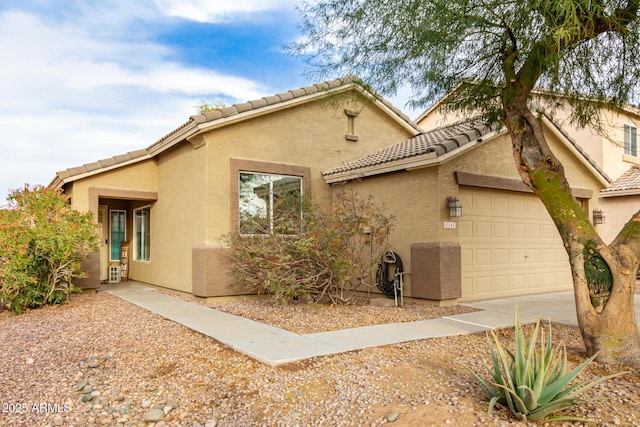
x: 411, y: 163
x: 58, y: 181
x: 207, y: 126
x: 620, y: 193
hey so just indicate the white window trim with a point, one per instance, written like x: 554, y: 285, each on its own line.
x: 632, y: 128
x: 135, y: 235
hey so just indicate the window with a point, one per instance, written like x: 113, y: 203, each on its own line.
x: 631, y: 140
x: 117, y: 227
x: 142, y: 234
x: 269, y: 203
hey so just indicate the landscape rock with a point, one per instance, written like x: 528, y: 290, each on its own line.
x: 153, y: 415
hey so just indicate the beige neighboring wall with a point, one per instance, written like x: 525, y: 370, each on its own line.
x: 618, y: 211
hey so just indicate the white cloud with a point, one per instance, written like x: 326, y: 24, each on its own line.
x: 73, y: 93
x: 220, y: 10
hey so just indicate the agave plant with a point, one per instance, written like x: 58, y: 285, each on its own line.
x: 534, y: 384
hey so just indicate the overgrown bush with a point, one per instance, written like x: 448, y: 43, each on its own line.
x: 42, y: 242
x: 324, y: 254
x: 534, y: 383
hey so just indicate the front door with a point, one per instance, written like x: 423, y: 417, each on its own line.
x: 103, y: 231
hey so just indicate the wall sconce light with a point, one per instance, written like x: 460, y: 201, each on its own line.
x: 455, y: 207
x: 598, y: 216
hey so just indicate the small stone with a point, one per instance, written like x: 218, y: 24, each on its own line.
x: 30, y: 361
x: 153, y: 415
x: 80, y: 385
x: 391, y: 417
x: 161, y: 424
x: 95, y: 393
x: 118, y: 399
x: 211, y: 423
x: 57, y: 420
x: 94, y: 365
x: 146, y: 404
x: 173, y: 405
x: 87, y: 389
x: 87, y: 398
x: 166, y: 409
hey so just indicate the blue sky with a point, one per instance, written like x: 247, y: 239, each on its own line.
x: 88, y: 79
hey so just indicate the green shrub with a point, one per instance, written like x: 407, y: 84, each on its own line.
x: 534, y: 384
x: 42, y: 243
x: 318, y: 255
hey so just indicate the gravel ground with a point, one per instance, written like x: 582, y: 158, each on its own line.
x: 101, y: 361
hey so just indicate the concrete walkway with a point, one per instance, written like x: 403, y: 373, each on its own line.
x: 274, y: 346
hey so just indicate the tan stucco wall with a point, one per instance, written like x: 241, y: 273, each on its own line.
x: 139, y: 176
x: 418, y: 197
x: 178, y: 217
x: 311, y: 135
x: 618, y: 211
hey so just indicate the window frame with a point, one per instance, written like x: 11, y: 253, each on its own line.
x: 630, y: 144
x: 111, y: 212
x: 270, y: 200
x: 243, y: 165
x: 136, y: 254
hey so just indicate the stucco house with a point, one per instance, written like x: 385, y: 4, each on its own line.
x: 503, y: 243
x: 176, y: 199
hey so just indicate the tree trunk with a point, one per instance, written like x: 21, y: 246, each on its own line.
x: 604, y: 277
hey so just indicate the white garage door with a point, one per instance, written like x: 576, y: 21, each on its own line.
x: 509, y: 246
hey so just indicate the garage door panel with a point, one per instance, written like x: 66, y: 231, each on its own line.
x: 501, y: 256
x: 518, y: 281
x: 482, y: 229
x: 483, y: 285
x: 517, y: 206
x: 533, y: 231
x: 465, y: 229
x: 501, y: 230
x: 517, y: 256
x: 509, y: 246
x: 501, y: 283
x: 483, y: 257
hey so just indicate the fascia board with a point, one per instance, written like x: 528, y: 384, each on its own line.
x: 173, y: 139
x: 620, y: 193
x: 412, y: 163
x: 225, y: 121
x: 61, y: 181
x: 394, y: 166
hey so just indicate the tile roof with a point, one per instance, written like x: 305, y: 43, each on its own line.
x: 182, y: 131
x: 630, y: 180
x: 436, y: 142
x: 267, y: 101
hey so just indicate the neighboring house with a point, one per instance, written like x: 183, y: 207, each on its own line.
x: 504, y: 243
x: 176, y: 200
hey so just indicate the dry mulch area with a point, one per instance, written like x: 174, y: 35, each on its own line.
x: 126, y: 362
